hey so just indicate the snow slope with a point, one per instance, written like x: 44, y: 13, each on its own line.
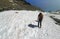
x: 57, y: 15
x: 22, y: 24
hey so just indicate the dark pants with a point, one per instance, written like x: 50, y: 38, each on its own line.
x: 39, y: 23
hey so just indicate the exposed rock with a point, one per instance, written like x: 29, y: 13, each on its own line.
x: 16, y: 5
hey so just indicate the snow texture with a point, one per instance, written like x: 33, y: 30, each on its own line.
x: 22, y: 24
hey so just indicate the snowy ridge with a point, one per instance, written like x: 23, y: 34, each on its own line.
x: 18, y: 25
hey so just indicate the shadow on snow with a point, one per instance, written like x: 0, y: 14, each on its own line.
x: 32, y: 26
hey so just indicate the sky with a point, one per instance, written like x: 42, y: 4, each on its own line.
x: 46, y: 5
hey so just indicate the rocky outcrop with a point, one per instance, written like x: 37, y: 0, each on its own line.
x: 16, y: 5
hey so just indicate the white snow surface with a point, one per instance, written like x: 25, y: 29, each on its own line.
x: 14, y: 24
x: 57, y: 16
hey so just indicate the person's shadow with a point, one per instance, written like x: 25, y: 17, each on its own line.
x: 32, y: 26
